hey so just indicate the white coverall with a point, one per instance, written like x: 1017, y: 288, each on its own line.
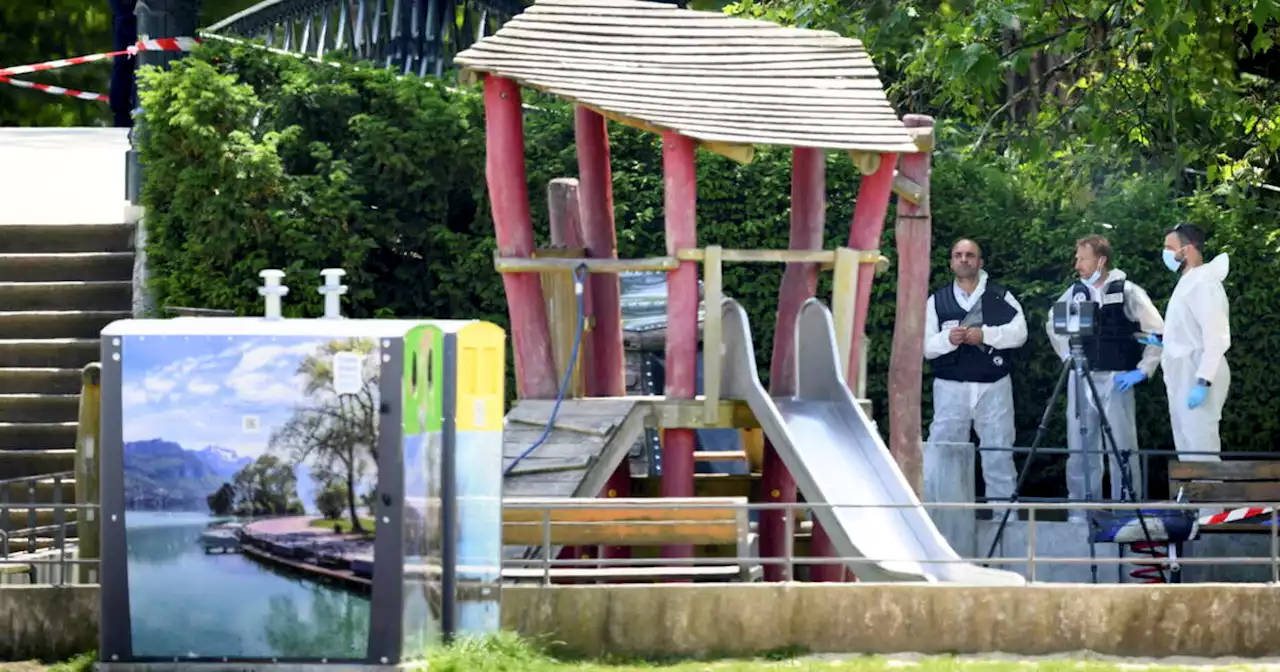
x: 987, y: 406
x: 1117, y: 405
x: 1197, y: 334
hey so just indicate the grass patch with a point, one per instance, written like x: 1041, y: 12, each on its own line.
x: 343, y: 524
x: 507, y: 652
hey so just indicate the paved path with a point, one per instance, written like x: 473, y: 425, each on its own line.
x: 290, y: 525
x: 63, y: 175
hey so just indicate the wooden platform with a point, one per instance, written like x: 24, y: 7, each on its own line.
x: 589, y: 439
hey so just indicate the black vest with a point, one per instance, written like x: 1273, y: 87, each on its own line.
x: 1112, y: 346
x: 973, y: 363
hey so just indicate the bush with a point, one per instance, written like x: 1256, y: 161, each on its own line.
x: 258, y: 161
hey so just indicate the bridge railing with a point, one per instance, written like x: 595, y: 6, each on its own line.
x: 412, y: 36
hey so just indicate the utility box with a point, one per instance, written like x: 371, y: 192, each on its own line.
x: 298, y: 490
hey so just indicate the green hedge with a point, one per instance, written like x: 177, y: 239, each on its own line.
x: 258, y: 161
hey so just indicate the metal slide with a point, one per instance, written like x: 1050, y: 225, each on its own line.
x: 836, y: 455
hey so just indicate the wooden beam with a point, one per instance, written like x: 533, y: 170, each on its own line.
x: 525, y: 265
x: 908, y: 189
x: 923, y: 136
x: 720, y: 455
x: 1234, y: 470
x: 1231, y: 491
x: 712, y: 334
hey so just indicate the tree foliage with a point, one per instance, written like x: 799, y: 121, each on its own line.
x: 257, y: 161
x: 1177, y: 83
x: 34, y: 32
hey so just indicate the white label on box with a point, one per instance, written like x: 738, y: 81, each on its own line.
x: 348, y: 374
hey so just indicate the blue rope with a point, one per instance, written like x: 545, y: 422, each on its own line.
x: 579, y: 278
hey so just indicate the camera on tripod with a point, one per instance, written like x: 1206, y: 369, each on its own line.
x: 1073, y: 318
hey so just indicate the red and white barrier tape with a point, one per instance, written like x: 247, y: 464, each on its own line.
x: 55, y: 90
x: 1234, y: 515
x: 160, y: 44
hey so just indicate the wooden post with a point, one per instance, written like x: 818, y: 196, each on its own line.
x: 679, y: 177
x: 864, y: 234
x: 605, y: 365
x: 914, y: 234
x: 509, y: 198
x: 799, y: 283
x: 88, y: 449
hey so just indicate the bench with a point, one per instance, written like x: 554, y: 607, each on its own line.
x: 1242, y: 481
x: 628, y: 522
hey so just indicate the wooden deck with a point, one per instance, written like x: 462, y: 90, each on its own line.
x: 588, y: 441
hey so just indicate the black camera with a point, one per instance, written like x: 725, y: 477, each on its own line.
x: 1073, y: 318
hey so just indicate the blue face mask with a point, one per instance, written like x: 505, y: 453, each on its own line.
x: 1094, y: 278
x: 1171, y: 260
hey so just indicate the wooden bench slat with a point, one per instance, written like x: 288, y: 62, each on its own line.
x: 632, y: 533
x: 1233, y: 470
x: 716, y: 571
x: 1231, y: 491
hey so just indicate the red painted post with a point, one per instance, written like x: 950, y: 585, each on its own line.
x: 605, y: 361
x: 914, y: 233
x: 679, y: 177
x: 509, y: 198
x: 799, y: 282
x: 864, y: 234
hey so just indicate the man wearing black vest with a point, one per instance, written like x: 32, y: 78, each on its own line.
x: 972, y: 327
x: 1118, y: 360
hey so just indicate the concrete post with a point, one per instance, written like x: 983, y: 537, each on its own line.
x: 949, y: 478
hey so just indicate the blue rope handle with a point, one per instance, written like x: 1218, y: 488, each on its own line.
x: 579, y: 280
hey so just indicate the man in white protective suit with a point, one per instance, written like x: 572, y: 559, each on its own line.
x: 1118, y: 363
x: 1197, y: 334
x: 972, y: 327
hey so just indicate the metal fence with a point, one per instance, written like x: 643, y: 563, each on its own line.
x: 38, y: 531
x: 546, y: 561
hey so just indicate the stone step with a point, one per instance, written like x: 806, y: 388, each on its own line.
x: 49, y: 489
x: 46, y: 238
x: 57, y: 323
x: 59, y: 353
x: 20, y: 517
x: 30, y: 462
x: 61, y: 266
x: 40, y: 381
x: 37, y: 436
x: 39, y: 407
x: 113, y: 295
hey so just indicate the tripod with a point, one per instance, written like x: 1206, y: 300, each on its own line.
x: 1079, y: 363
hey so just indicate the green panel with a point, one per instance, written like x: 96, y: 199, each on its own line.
x: 423, y: 379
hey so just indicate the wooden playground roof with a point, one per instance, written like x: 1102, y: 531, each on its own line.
x: 730, y: 83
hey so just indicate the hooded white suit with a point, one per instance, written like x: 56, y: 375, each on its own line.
x: 1197, y: 334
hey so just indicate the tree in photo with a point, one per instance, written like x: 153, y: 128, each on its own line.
x: 267, y: 487
x: 222, y: 502
x: 331, y: 500
x: 336, y: 432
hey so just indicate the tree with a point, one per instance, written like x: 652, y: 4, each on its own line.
x: 222, y: 502
x: 1181, y: 83
x: 339, y: 432
x: 331, y: 501
x: 267, y: 487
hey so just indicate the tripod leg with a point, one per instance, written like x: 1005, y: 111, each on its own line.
x: 1031, y: 454
x: 1126, y: 478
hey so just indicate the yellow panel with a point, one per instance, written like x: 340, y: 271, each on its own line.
x: 481, y: 378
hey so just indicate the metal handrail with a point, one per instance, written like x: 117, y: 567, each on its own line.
x: 789, y: 560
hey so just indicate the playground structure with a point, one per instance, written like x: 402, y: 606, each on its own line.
x: 702, y: 79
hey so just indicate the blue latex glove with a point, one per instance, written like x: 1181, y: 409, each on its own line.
x: 1128, y: 379
x: 1198, y: 393
x: 1151, y: 339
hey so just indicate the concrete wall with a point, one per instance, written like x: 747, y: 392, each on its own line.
x: 48, y: 622
x: 744, y: 619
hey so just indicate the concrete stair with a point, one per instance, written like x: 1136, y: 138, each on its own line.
x: 60, y: 284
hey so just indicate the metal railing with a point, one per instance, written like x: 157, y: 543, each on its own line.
x: 1033, y: 559
x: 34, y: 551
x: 412, y: 36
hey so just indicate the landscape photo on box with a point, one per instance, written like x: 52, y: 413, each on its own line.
x: 249, y: 472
